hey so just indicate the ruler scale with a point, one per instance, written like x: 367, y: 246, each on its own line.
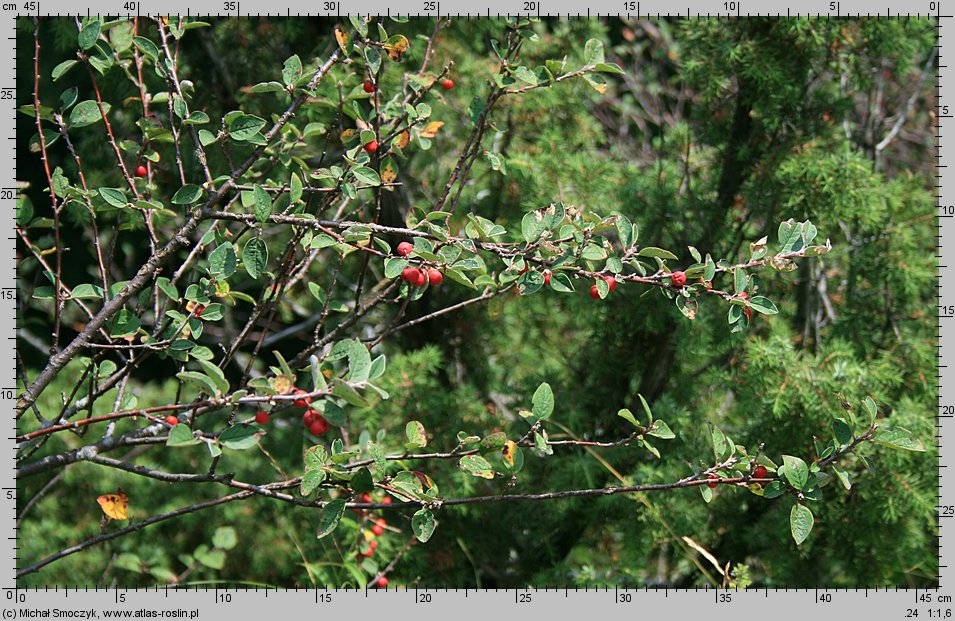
x: 242, y: 602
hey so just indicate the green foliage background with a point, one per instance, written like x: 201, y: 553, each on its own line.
x: 717, y: 131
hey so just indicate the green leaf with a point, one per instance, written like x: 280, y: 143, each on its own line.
x: 263, y: 203
x: 331, y: 516
x: 295, y: 188
x: 181, y: 435
x: 245, y: 127
x: 187, y: 194
x: 843, y: 476
x: 225, y: 538
x: 422, y: 524
x: 202, y: 381
x: 222, y: 260
x: 359, y: 362
x: 898, y: 438
x: 86, y: 113
x: 594, y: 51
x: 797, y: 472
x: 255, y: 256
x: 800, y: 522
x: 87, y: 291
x: 871, y: 409
x: 661, y: 430
x: 314, y: 469
x: 477, y: 466
x: 362, y: 482
x: 763, y: 305
x: 240, y: 437
x: 216, y: 374
x: 608, y: 68
x: 842, y: 431
x: 791, y: 236
x: 627, y: 415
x: 720, y: 445
x: 378, y: 455
x: 366, y: 175
x: 60, y: 70
x: 114, y: 197
x: 89, y: 34
x: 292, y: 70
x: 543, y: 401
x: 646, y: 409
x: 415, y: 433
x: 147, y: 48
x: 660, y: 253
x: 739, y: 281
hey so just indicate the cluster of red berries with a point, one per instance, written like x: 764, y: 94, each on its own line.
x: 595, y: 292
x: 377, y: 530
x: 312, y: 419
x: 418, y: 277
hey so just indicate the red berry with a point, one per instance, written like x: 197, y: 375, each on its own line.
x: 611, y: 281
x: 371, y: 549
x: 712, y: 476
x: 262, y: 418
x: 381, y: 522
x: 382, y: 583
x: 302, y: 402
x: 141, y: 171
x: 594, y: 292
x: 198, y: 310
x: 368, y: 86
x: 761, y: 472
x: 378, y: 530
x: 172, y: 420
x: 743, y: 294
x: 435, y: 277
x: 447, y: 84
x: 372, y: 146
x: 749, y: 314
x: 678, y: 279
x: 386, y: 500
x: 546, y: 277
x: 366, y: 497
x: 421, y: 279
x: 410, y: 274
x: 319, y: 425
x: 309, y: 417
x: 405, y: 248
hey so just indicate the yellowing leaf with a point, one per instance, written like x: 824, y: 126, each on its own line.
x: 389, y: 172
x: 281, y: 384
x: 349, y: 135
x: 115, y: 506
x: 396, y: 47
x: 402, y: 139
x: 431, y: 129
x: 510, y: 447
x: 344, y: 39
